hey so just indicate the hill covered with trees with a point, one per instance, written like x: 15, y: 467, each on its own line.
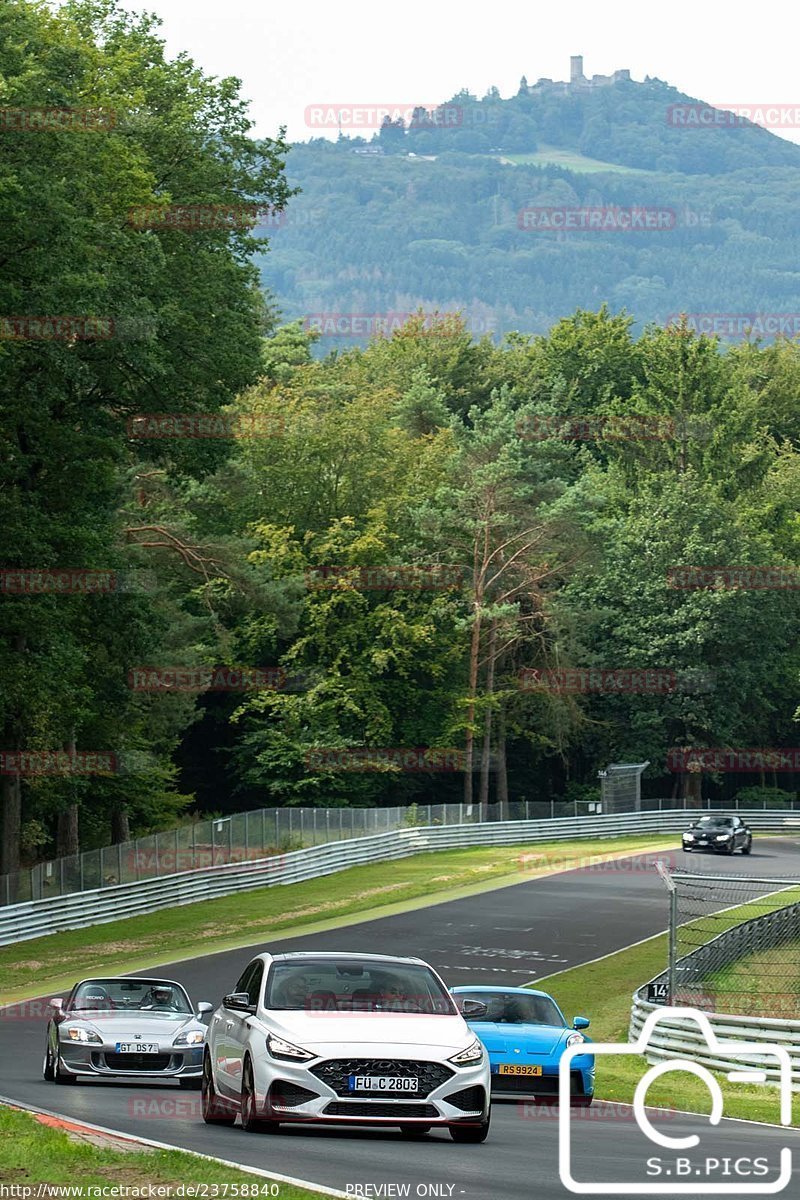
x: 431, y: 212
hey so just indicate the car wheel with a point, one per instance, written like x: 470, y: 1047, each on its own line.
x: 581, y: 1101
x: 48, y: 1070
x: 415, y: 1131
x: 60, y: 1076
x: 471, y: 1134
x: 730, y: 848
x: 192, y: 1084
x: 748, y: 846
x: 251, y: 1121
x: 214, y: 1113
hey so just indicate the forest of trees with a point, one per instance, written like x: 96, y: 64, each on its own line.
x: 395, y: 536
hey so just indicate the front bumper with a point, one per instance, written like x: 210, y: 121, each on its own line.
x: 717, y: 847
x: 289, y: 1092
x: 512, y: 1087
x: 87, y: 1059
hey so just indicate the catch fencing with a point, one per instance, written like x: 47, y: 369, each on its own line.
x: 248, y: 836
x: 734, y: 953
x: 97, y: 906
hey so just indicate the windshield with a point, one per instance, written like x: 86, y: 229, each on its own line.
x: 124, y: 995
x: 344, y: 985
x: 512, y: 1008
x: 714, y: 823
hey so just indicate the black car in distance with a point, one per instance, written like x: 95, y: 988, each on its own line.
x: 721, y: 834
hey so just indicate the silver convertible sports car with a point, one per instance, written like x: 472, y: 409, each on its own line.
x: 145, y: 1028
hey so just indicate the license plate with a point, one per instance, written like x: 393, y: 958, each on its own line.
x: 519, y: 1069
x: 137, y: 1048
x: 383, y: 1083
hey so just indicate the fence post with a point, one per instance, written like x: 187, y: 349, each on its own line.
x: 119, y: 862
x: 673, y: 941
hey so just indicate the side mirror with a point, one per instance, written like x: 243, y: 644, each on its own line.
x: 57, y: 1003
x: 581, y: 1023
x: 238, y: 1002
x: 471, y: 1008
x: 204, y: 1008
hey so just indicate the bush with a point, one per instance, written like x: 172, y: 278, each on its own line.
x: 758, y: 797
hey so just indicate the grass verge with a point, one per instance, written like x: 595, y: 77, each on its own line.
x: 32, y: 1153
x: 603, y: 992
x: 358, y: 894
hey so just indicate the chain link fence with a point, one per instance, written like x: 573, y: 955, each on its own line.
x: 734, y: 944
x: 266, y: 831
x: 244, y: 837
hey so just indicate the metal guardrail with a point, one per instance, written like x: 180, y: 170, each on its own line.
x: 248, y: 836
x: 681, y: 1037
x: 37, y: 918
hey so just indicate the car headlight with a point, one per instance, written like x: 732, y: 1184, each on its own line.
x: 82, y: 1035
x: 723, y: 837
x: 575, y: 1039
x: 466, y: 1058
x: 278, y: 1048
x: 688, y: 837
x: 194, y: 1037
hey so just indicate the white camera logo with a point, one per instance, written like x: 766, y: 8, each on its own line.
x: 717, y: 1049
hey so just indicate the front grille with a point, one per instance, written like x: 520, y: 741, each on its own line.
x: 283, y: 1094
x: 471, y: 1099
x: 336, y: 1071
x: 355, y: 1108
x: 536, y: 1085
x: 138, y: 1062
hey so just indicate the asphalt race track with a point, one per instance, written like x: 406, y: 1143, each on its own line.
x: 513, y: 935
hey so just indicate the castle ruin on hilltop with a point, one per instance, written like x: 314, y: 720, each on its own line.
x: 577, y: 79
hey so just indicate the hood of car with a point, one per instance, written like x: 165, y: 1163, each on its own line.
x: 412, y: 1031
x: 501, y: 1038
x: 120, y: 1026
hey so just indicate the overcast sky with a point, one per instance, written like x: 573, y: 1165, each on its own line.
x: 310, y: 52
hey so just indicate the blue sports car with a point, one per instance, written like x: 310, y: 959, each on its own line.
x: 525, y: 1034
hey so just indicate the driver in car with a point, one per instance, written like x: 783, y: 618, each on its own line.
x: 293, y: 992
x: 159, y: 997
